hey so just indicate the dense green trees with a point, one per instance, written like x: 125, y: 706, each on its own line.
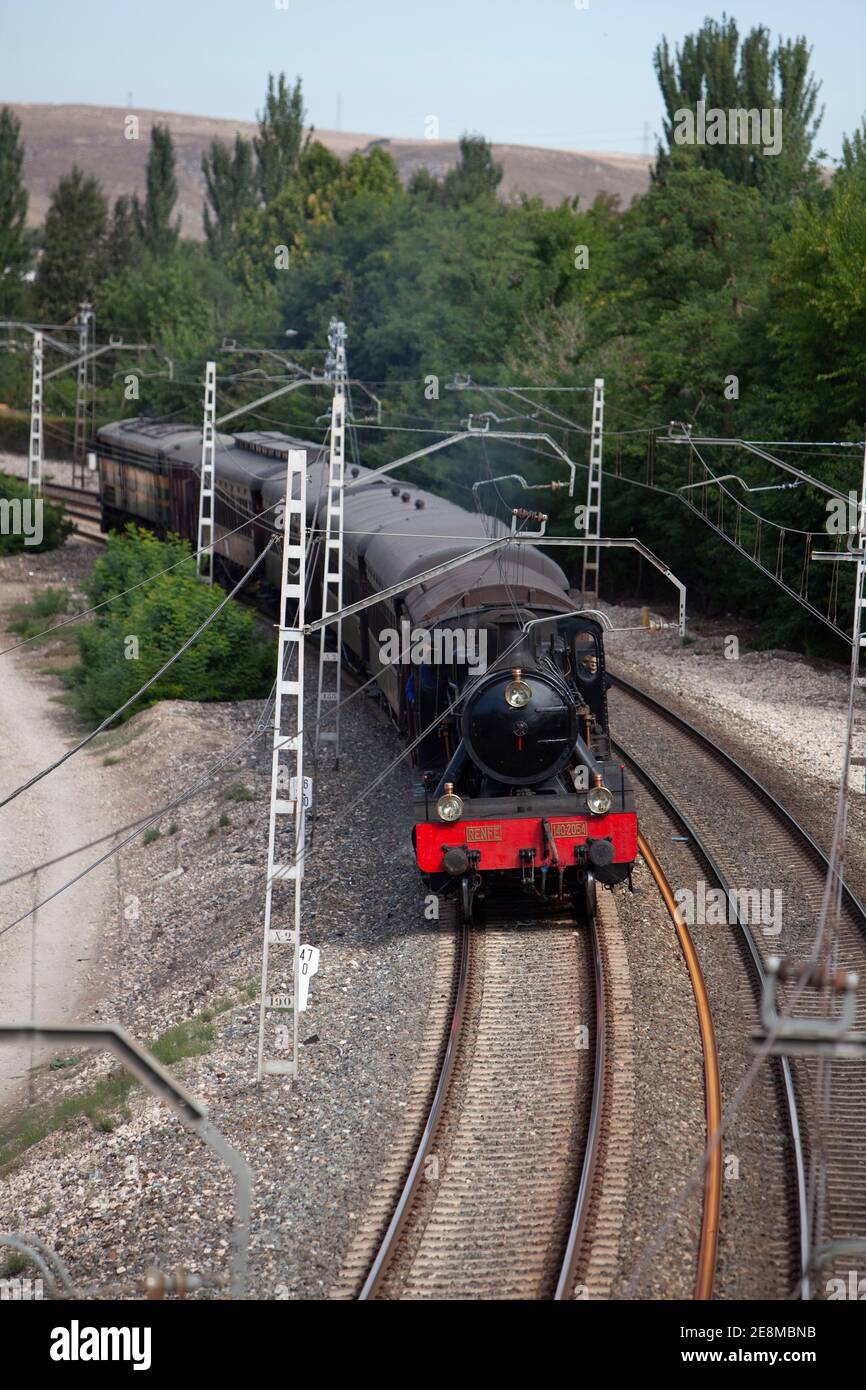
x: 230, y: 661
x: 282, y: 137
x: 712, y: 67
x: 730, y: 296
x: 14, y: 248
x: 72, y: 263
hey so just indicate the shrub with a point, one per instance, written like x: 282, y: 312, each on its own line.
x: 56, y: 525
x: 238, y: 793
x: 231, y: 660
x: 45, y: 609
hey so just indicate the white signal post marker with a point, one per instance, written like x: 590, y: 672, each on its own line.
x: 281, y: 977
x: 309, y: 967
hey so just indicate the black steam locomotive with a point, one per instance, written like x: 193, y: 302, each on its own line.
x: 530, y: 793
x: 491, y: 671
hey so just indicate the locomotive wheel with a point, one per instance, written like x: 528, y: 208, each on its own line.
x: 465, y: 898
x: 589, y: 897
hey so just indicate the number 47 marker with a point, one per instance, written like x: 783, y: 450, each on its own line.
x: 309, y: 958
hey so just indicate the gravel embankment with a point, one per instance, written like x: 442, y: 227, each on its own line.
x: 781, y: 714
x: 134, y: 1189
x: 53, y: 470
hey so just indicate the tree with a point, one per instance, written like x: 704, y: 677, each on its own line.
x: 714, y: 68
x: 122, y: 236
x: 230, y: 183
x: 324, y: 191
x: 475, y: 176
x: 73, y: 254
x: 167, y: 301
x: 280, y: 142
x: 818, y: 320
x: 153, y: 220
x: 853, y: 159
x: 14, y: 250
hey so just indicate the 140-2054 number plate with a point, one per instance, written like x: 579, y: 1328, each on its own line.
x: 567, y: 829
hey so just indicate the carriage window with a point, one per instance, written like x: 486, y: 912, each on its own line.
x: 586, y: 656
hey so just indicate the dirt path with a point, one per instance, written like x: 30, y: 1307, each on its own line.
x: 48, y: 964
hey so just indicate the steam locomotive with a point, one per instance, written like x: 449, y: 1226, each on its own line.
x: 491, y: 672
x: 530, y: 795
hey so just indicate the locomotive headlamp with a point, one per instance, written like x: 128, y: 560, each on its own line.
x: 450, y: 806
x: 598, y: 798
x: 517, y: 692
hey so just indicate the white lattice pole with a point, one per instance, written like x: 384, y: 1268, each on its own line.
x: 329, y: 689
x: 859, y: 632
x: 208, y: 467
x: 34, y: 461
x: 278, y: 1035
x: 592, y: 553
x: 79, y: 467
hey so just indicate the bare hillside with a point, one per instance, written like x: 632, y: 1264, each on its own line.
x: 56, y: 137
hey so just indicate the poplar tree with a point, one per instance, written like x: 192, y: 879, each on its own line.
x: 713, y: 66
x: 122, y: 235
x: 281, y: 141
x: 153, y: 219
x: 230, y: 184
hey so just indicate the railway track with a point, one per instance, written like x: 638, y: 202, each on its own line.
x: 746, y: 838
x: 83, y: 506
x: 495, y: 1199
x: 519, y: 1182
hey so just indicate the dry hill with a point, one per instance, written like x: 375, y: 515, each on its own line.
x: 56, y: 137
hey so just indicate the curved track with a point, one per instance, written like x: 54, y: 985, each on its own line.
x: 833, y: 1132
x: 515, y: 1121
x: 524, y: 1123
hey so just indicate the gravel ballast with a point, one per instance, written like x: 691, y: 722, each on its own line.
x: 132, y: 1188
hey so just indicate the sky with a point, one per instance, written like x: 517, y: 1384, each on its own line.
x: 573, y: 74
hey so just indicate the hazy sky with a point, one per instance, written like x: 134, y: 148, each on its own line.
x: 523, y: 71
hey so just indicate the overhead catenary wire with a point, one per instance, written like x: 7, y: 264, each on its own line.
x: 25, y: 786
x: 76, y: 617
x: 136, y: 827
x: 149, y: 820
